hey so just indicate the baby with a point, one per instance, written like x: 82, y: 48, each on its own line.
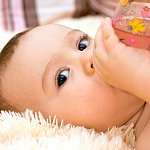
x: 60, y: 71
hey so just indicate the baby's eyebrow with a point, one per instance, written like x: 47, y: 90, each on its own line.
x: 46, y: 70
x: 73, y: 31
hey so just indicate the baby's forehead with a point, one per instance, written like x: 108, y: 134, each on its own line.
x: 47, y: 32
x: 50, y: 35
x: 51, y: 28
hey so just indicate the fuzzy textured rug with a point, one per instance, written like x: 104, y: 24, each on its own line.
x: 30, y: 131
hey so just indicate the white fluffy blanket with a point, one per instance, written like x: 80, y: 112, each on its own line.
x: 30, y: 131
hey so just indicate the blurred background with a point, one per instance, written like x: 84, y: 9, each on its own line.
x: 86, y: 15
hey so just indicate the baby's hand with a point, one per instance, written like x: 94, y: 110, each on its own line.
x: 121, y: 66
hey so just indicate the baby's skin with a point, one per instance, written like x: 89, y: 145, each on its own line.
x: 124, y: 67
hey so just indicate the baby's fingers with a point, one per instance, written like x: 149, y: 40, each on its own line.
x: 109, y: 37
x: 99, y: 50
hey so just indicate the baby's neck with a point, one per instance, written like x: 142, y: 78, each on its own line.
x: 141, y: 119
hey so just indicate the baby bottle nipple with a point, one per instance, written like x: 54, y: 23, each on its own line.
x: 131, y: 22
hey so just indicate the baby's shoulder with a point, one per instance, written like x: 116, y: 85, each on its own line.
x: 143, y: 142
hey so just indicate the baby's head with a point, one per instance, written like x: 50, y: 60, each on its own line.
x: 50, y: 69
x: 5, y: 57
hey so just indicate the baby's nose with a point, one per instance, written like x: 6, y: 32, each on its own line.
x: 87, y: 62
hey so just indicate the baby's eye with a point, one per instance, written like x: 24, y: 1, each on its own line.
x: 83, y: 43
x: 62, y: 77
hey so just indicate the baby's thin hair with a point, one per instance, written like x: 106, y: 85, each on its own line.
x: 5, y: 57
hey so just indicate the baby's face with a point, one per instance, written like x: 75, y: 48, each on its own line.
x: 51, y: 71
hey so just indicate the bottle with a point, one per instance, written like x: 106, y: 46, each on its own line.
x: 131, y: 22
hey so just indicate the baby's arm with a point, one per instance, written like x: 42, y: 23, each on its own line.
x: 122, y: 66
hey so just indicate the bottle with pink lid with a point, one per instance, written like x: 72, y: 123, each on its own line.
x: 131, y: 22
